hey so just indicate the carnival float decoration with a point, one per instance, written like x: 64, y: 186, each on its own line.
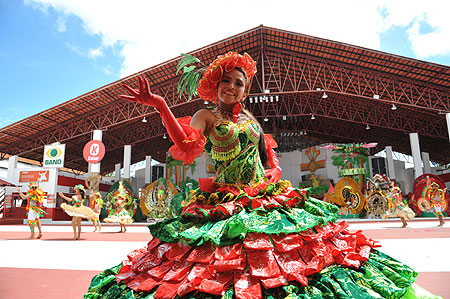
x: 347, y: 196
x: 156, y: 199
x: 124, y: 189
x: 429, y: 190
x: 377, y: 196
x: 177, y: 170
x: 352, y: 161
x: 313, y: 164
x: 317, y: 186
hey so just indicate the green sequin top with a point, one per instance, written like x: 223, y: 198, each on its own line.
x: 233, y: 149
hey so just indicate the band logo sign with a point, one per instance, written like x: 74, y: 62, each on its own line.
x: 54, y: 155
x: 94, y: 151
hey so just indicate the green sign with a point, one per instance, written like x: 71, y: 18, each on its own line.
x: 352, y: 171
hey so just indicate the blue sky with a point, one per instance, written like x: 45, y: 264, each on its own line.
x: 54, y: 50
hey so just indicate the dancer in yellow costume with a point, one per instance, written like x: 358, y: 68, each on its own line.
x: 397, y: 208
x: 435, y: 196
x: 35, y: 198
x: 77, y: 210
x: 97, y: 204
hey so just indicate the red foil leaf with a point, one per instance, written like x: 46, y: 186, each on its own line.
x: 203, y: 254
x: 259, y: 241
x: 217, y: 285
x: 246, y: 286
x: 287, y: 242
x: 262, y: 263
x: 178, y: 271
x: 161, y: 270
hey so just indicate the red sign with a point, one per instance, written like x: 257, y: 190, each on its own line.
x: 34, y: 176
x: 94, y: 151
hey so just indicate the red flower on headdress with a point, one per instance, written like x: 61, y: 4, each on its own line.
x: 207, y: 87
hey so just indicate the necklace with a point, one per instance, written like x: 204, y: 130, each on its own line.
x: 224, y: 114
x: 228, y: 115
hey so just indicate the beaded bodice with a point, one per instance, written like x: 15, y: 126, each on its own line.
x: 233, y: 148
x: 76, y: 201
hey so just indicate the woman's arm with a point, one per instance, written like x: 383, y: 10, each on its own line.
x: 203, y: 120
x: 143, y: 95
x: 23, y: 196
x: 64, y: 197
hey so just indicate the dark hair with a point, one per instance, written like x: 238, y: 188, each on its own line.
x: 82, y: 192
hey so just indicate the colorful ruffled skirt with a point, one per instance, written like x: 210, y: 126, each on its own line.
x: 78, y: 211
x: 278, y: 243
x: 400, y: 211
x: 121, y: 217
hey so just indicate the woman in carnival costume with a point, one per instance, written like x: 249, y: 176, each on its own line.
x: 397, y: 208
x: 97, y: 204
x: 35, y: 207
x: 435, y: 196
x: 246, y: 233
x: 77, y: 210
x: 119, y: 214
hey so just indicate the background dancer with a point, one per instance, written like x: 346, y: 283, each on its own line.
x: 397, y: 208
x: 35, y: 207
x: 77, y: 210
x: 435, y: 195
x: 96, y: 204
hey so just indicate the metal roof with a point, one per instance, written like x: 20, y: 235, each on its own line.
x: 294, y: 72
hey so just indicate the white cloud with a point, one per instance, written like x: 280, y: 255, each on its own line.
x: 94, y: 53
x: 412, y: 15
x: 146, y: 33
x: 107, y: 70
x: 61, y: 24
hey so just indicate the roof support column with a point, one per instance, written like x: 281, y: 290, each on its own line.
x: 117, y: 168
x: 95, y: 168
x: 126, y: 162
x: 426, y: 162
x: 12, y: 165
x: 415, y: 150
x: 390, y: 162
x: 93, y: 179
x: 148, y: 169
x: 447, y: 117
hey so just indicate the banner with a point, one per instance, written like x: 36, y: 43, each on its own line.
x: 54, y: 155
x: 34, y: 176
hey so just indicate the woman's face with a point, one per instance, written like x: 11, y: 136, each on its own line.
x: 231, y: 89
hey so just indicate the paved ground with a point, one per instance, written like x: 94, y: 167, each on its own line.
x: 58, y: 267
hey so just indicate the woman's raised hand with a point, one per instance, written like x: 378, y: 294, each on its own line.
x: 143, y: 95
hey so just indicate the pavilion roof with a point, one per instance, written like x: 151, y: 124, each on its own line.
x: 294, y: 73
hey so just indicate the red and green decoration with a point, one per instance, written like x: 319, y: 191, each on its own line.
x: 353, y: 160
x: 131, y: 202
